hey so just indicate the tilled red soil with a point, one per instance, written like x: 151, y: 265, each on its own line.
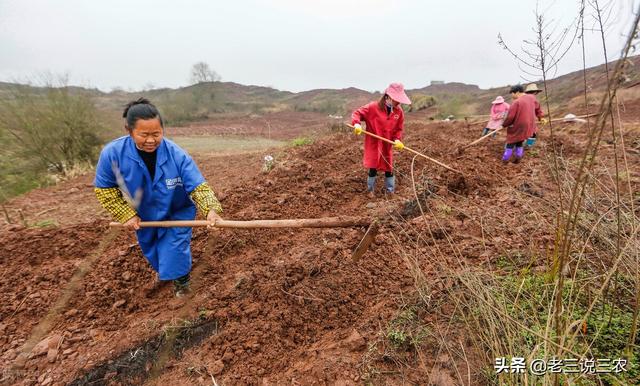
x: 291, y: 306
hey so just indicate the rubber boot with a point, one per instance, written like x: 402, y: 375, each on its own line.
x: 371, y: 184
x: 182, y: 286
x: 485, y: 131
x: 390, y: 184
x: 530, y: 142
x: 519, y: 154
x: 507, y: 154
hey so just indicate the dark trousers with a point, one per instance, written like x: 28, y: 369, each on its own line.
x: 374, y: 172
x: 515, y: 144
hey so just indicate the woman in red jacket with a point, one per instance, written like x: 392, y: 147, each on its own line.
x: 384, y: 118
x: 520, y: 122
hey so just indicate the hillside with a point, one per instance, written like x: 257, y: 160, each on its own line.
x: 567, y: 91
x: 200, y: 101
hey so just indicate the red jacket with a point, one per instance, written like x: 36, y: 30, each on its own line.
x: 521, y: 120
x: 539, y: 114
x: 377, y: 154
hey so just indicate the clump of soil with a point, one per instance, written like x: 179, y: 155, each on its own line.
x: 458, y: 185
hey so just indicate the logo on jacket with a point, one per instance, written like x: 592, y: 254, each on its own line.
x: 173, y: 182
x: 396, y: 116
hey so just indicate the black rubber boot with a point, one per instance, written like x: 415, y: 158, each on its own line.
x: 182, y: 286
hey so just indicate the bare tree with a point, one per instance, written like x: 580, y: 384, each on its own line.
x: 201, y: 72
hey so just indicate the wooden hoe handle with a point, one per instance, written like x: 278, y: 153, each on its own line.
x: 327, y: 222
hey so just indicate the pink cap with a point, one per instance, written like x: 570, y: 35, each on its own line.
x: 396, y: 92
x: 498, y: 100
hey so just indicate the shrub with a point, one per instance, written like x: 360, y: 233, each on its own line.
x: 301, y: 141
x: 45, y: 130
x: 420, y: 102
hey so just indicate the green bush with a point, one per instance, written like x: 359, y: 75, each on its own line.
x: 420, y: 102
x: 44, y: 131
x: 301, y: 141
x: 325, y: 106
x: 452, y: 104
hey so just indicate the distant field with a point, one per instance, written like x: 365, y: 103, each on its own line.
x: 225, y: 145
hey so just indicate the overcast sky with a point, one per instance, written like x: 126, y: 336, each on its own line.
x: 291, y: 45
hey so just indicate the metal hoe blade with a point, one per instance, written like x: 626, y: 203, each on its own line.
x: 366, y: 241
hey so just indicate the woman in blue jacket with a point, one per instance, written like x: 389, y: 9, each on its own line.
x: 145, y: 177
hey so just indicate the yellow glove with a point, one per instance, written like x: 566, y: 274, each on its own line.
x: 398, y: 145
x: 357, y: 129
x: 544, y: 121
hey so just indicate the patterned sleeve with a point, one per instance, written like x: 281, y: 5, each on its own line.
x: 112, y: 200
x: 205, y: 199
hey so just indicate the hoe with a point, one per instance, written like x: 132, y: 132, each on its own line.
x: 327, y: 222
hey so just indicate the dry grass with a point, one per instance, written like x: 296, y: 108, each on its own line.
x: 575, y: 301
x: 225, y: 145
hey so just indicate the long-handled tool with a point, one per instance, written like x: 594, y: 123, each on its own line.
x: 327, y: 222
x: 409, y: 150
x: 462, y: 149
x: 483, y: 118
x: 476, y: 122
x: 369, y: 237
x: 569, y: 119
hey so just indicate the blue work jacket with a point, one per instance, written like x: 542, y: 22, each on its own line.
x: 164, y: 198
